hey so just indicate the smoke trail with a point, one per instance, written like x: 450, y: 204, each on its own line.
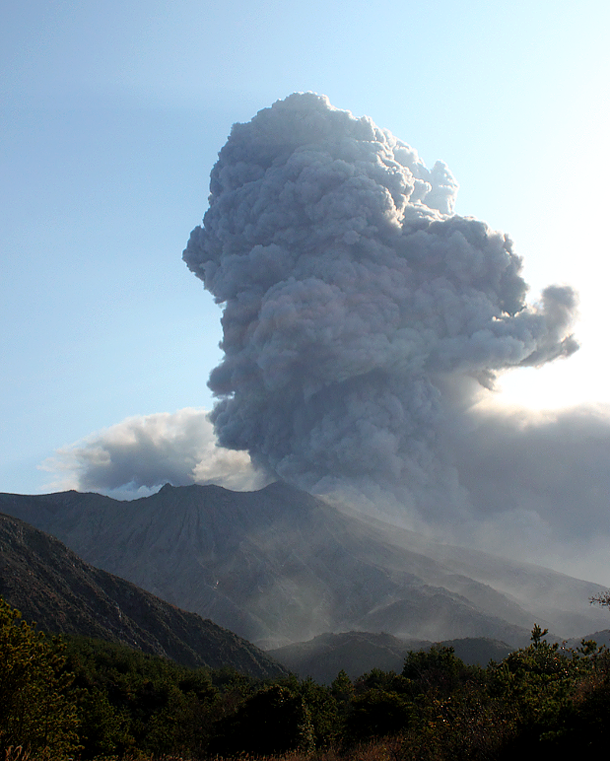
x: 355, y: 301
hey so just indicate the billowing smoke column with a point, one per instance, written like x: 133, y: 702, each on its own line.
x: 355, y: 301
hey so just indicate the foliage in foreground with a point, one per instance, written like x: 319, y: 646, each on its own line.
x: 87, y: 699
x: 38, y: 711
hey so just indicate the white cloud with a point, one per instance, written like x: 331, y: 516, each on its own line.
x: 136, y: 456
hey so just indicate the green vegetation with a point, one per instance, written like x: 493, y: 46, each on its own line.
x: 85, y: 699
x: 37, y: 700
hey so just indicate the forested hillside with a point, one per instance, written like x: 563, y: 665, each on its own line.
x: 82, y: 698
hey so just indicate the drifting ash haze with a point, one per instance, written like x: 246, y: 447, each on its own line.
x: 360, y: 314
x: 362, y: 322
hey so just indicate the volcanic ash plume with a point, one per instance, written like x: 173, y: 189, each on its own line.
x: 355, y: 302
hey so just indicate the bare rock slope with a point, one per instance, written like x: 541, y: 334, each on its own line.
x: 54, y: 588
x: 279, y: 566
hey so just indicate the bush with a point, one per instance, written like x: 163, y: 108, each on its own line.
x: 378, y: 713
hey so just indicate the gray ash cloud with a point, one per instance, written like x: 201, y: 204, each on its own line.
x: 360, y: 313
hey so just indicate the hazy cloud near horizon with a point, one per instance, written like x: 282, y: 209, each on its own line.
x: 538, y: 485
x: 136, y: 456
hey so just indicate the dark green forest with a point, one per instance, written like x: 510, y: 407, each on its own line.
x: 77, y: 698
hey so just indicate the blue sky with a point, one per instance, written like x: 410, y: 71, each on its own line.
x: 112, y: 118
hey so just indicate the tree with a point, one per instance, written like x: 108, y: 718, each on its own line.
x: 379, y: 713
x: 37, y: 707
x: 274, y: 720
x: 602, y: 599
x: 437, y: 669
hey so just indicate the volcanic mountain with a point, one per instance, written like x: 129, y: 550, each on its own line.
x: 278, y: 566
x: 54, y: 588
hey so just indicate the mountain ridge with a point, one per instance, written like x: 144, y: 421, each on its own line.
x: 279, y: 565
x: 55, y: 589
x: 358, y: 653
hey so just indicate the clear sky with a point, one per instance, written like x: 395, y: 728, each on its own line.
x: 113, y: 115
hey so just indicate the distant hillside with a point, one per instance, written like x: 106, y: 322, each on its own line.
x: 601, y: 638
x: 279, y: 566
x: 53, y: 587
x: 359, y: 652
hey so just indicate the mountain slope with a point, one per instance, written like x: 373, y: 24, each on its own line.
x: 279, y: 566
x: 52, y: 586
